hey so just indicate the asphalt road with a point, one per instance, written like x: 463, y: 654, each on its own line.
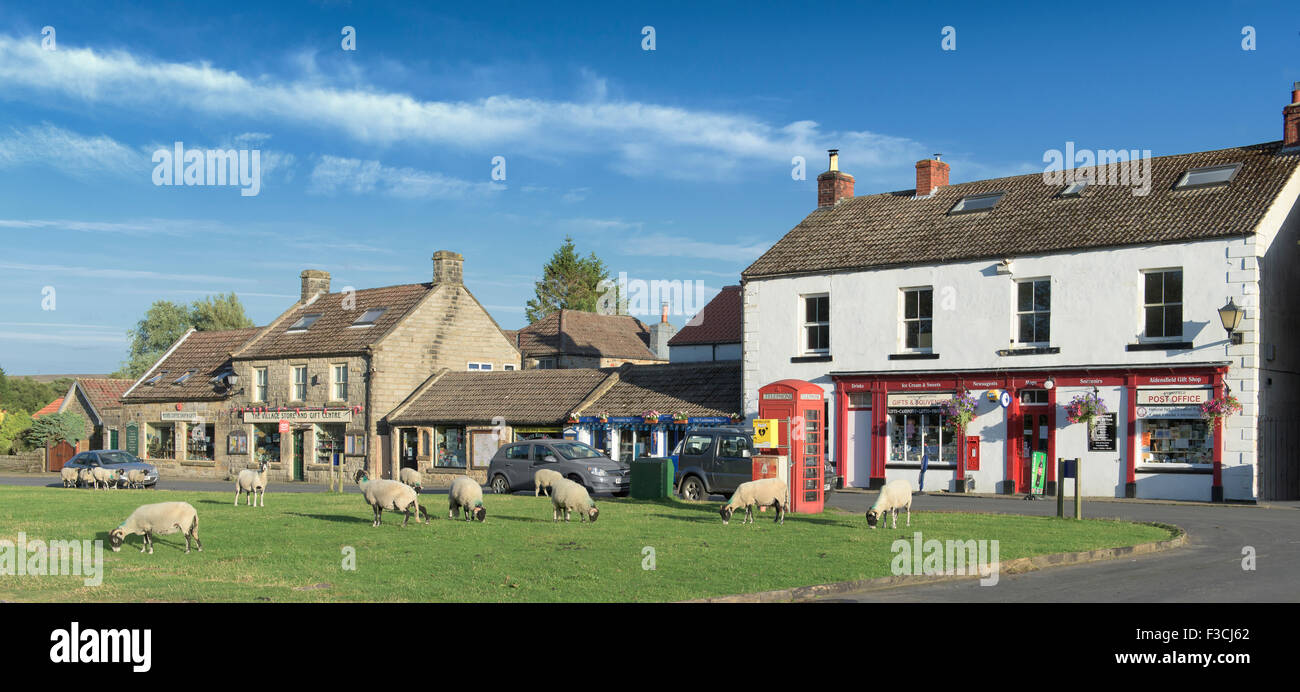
x: 1208, y: 568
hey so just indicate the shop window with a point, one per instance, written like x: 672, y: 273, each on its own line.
x: 913, y: 436
x: 1163, y: 304
x: 1033, y: 396
x: 817, y: 324
x: 237, y: 442
x: 198, y: 443
x: 266, y: 443
x: 356, y: 444
x: 1175, y: 441
x: 1034, y: 311
x: 160, y: 440
x: 918, y: 318
x: 329, y: 441
x: 451, y: 447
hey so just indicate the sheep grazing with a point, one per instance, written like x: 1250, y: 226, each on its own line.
x: 251, y: 483
x: 895, y: 495
x: 108, y: 478
x: 466, y: 492
x: 163, y: 518
x: 413, y: 478
x: 382, y: 494
x: 568, y: 497
x: 765, y: 492
x: 135, y: 478
x: 543, y: 480
x: 70, y: 476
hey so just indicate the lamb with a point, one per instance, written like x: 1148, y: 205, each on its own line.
x: 543, y: 480
x: 382, y: 494
x: 412, y: 478
x: 466, y: 492
x: 894, y: 495
x: 70, y: 476
x: 135, y: 478
x: 164, y: 518
x: 99, y: 474
x: 251, y: 483
x: 568, y: 497
x: 763, y: 493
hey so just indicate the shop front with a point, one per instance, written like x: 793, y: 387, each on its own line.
x: 299, y: 444
x: 625, y: 438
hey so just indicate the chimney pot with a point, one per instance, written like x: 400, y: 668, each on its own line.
x: 314, y: 281
x: 931, y: 174
x: 1291, y: 119
x: 833, y: 185
x: 448, y: 267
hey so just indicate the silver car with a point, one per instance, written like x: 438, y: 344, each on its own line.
x: 513, y: 466
x: 114, y: 460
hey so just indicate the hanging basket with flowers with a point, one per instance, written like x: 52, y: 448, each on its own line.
x: 680, y: 418
x: 959, y: 411
x: 603, y: 416
x: 651, y: 416
x: 573, y: 418
x: 1084, y: 408
x: 1220, y: 407
x: 736, y: 417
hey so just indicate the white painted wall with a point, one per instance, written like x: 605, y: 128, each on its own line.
x: 696, y: 353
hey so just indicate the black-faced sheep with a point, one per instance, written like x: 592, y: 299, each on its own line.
x: 568, y: 497
x: 382, y: 494
x: 251, y: 483
x: 466, y: 493
x: 163, y: 518
x: 765, y: 492
x: 102, y: 476
x: 413, y: 478
x: 895, y: 495
x: 70, y: 476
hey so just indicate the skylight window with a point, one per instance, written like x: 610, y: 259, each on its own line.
x: 976, y: 203
x: 1074, y: 189
x: 186, y: 376
x: 368, y: 318
x: 156, y: 378
x: 304, y: 323
x: 1208, y: 176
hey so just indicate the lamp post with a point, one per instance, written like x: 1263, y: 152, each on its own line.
x: 1230, y: 315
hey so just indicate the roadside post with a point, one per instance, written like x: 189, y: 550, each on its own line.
x: 1068, y: 468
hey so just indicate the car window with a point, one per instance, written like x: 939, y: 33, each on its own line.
x: 697, y: 444
x: 517, y: 452
x: 116, y: 458
x: 575, y: 450
x: 731, y: 445
x: 86, y: 459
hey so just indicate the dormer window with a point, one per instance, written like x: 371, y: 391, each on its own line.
x: 367, y: 319
x: 1074, y: 189
x: 304, y: 323
x: 1208, y: 176
x: 974, y: 203
x: 183, y: 378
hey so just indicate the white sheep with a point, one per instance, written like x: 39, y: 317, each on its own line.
x: 543, y: 480
x: 69, y: 475
x: 84, y: 477
x: 895, y: 495
x: 382, y: 494
x: 135, y: 478
x: 466, y: 492
x: 164, y: 518
x: 568, y: 497
x: 413, y: 478
x: 765, y: 492
x: 251, y: 483
x: 109, y: 478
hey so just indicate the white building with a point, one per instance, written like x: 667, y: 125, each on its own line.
x: 714, y: 333
x: 896, y: 302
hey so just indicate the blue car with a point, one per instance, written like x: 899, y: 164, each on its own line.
x: 114, y: 460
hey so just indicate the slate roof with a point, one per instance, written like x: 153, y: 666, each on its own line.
x: 710, y: 388
x: 719, y: 321
x: 332, y: 332
x: 521, y: 397
x: 894, y: 229
x: 587, y: 334
x: 207, y: 353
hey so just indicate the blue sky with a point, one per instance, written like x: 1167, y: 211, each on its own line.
x: 671, y: 164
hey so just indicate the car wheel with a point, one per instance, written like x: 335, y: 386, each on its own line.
x: 500, y: 485
x: 692, y: 489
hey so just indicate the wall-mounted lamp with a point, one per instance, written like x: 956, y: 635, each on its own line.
x: 1231, y: 315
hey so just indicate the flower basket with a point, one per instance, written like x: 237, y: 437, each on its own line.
x: 959, y: 411
x: 1220, y: 407
x: 1083, y: 408
x: 603, y: 416
x: 736, y: 418
x: 573, y: 418
x: 680, y: 418
x: 651, y: 416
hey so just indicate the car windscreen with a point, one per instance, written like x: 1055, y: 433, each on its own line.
x: 575, y: 450
x: 116, y: 458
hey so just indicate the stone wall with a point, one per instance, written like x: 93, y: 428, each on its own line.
x: 24, y: 462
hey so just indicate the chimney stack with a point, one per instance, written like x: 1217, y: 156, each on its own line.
x: 660, y: 333
x: 931, y: 174
x: 833, y: 185
x: 1291, y: 119
x: 448, y: 267
x: 314, y: 282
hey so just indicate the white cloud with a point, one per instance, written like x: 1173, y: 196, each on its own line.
x: 56, y: 270
x: 334, y: 174
x: 69, y: 152
x: 662, y: 245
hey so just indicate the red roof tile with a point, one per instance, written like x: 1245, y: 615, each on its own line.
x: 52, y: 407
x: 104, y: 394
x: 719, y: 322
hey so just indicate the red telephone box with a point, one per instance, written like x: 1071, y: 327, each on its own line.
x: 799, y: 408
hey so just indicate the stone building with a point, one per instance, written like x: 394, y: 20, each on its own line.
x: 98, y: 402
x: 577, y: 339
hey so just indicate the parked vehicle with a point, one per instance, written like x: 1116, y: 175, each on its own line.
x: 715, y: 461
x: 513, y: 466
x: 116, y: 460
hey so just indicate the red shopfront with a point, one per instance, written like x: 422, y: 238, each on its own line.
x: 902, y: 410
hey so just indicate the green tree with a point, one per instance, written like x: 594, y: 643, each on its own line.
x: 55, y: 427
x: 164, y: 322
x: 11, y: 430
x: 26, y: 394
x: 569, y: 281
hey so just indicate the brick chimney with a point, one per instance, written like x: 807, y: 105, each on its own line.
x: 1291, y: 119
x: 930, y: 175
x: 661, y: 332
x: 314, y: 281
x: 448, y: 267
x: 833, y: 185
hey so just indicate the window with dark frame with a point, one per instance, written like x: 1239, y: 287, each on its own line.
x: 1034, y: 311
x: 918, y: 318
x: 304, y: 323
x: 974, y: 203
x: 817, y: 324
x: 1162, y: 304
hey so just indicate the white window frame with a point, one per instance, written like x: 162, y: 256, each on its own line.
x: 482, y: 367
x: 295, y: 384
x: 903, y: 320
x: 508, y: 366
x: 261, y: 383
x: 335, y: 381
x: 1016, y: 312
x: 1143, y: 305
x: 805, y: 324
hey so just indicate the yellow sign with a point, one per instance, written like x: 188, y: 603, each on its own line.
x: 766, y: 433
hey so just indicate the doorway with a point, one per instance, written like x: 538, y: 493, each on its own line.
x: 1033, y: 439
x: 859, y: 430
x: 410, y: 448
x: 298, y: 444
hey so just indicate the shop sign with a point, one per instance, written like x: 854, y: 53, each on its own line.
x: 1172, y: 397
x: 180, y: 416
x: 133, y: 439
x: 917, y: 400
x: 1038, y: 482
x: 810, y: 397
x: 1175, y: 379
x: 1169, y: 412
x: 284, y: 427
x: 1101, y: 433
x: 919, y: 385
x: 301, y: 416
x: 980, y: 384
x: 778, y: 395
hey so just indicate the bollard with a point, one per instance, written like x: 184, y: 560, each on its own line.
x: 1060, y: 488
x: 1078, y: 496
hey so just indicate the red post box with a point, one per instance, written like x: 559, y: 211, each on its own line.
x: 972, y: 452
x: 799, y: 407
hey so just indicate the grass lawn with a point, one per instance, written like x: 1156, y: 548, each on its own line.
x: 284, y: 551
